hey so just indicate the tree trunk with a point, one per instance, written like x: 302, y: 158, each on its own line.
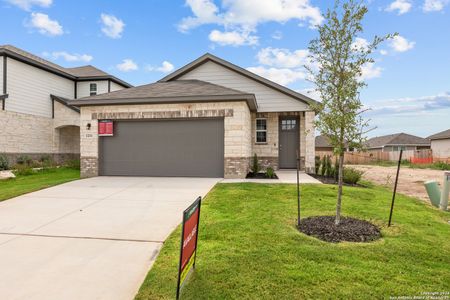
x: 340, y: 181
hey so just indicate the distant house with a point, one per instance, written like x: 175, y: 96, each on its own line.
x: 323, y: 143
x: 397, y: 142
x: 440, y: 144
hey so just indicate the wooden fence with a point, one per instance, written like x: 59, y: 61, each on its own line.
x: 361, y: 158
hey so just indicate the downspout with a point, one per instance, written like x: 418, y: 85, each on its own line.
x: 5, y: 70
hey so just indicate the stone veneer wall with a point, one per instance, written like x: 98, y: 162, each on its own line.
x: 35, y: 136
x: 268, y: 152
x: 236, y: 123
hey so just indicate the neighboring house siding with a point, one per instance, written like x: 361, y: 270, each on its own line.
x: 1, y: 76
x: 29, y: 89
x: 441, y: 148
x: 269, y: 100
x: 116, y: 87
x: 83, y: 88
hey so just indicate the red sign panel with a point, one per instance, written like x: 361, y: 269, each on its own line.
x: 105, y: 128
x: 189, y: 235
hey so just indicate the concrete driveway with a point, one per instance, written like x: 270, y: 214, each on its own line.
x: 89, y: 239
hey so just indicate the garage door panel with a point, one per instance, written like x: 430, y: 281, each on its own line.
x: 164, y: 148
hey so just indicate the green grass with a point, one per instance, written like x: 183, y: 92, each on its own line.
x: 249, y: 248
x: 40, y: 180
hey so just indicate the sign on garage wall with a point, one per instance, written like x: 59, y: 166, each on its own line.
x: 189, y: 235
x: 105, y: 128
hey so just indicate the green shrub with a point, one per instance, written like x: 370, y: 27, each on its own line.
x: 47, y: 161
x: 23, y: 170
x: 440, y: 165
x: 328, y: 167
x: 4, y: 164
x: 317, y: 163
x: 270, y: 172
x: 352, y: 176
x: 73, y: 164
x: 324, y: 165
x: 255, y: 167
x: 24, y: 160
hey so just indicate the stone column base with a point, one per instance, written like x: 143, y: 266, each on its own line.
x: 88, y: 166
x: 236, y: 167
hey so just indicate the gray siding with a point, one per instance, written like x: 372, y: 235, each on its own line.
x: 29, y: 89
x: 269, y: 100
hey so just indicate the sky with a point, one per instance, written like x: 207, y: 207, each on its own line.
x: 408, y: 85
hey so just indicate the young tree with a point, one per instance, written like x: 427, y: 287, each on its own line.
x: 338, y: 57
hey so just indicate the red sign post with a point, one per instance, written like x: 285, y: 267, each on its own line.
x: 189, y: 235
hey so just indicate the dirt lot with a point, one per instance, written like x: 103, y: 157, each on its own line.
x: 410, y: 181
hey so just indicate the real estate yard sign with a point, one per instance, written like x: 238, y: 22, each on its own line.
x: 189, y: 234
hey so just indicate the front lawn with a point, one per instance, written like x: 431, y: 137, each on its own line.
x: 249, y: 248
x: 40, y: 180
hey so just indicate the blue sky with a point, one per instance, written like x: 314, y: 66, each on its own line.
x: 408, y: 86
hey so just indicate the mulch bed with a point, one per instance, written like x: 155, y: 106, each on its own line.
x: 349, y: 230
x: 260, y: 176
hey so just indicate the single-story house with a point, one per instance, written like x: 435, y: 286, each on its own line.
x: 397, y: 142
x: 323, y: 143
x: 440, y: 144
x: 206, y: 119
x: 35, y: 119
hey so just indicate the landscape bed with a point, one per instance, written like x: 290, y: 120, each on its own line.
x: 249, y: 247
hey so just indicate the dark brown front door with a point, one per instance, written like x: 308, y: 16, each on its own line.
x: 288, y: 142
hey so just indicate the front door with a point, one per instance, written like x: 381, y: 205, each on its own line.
x: 288, y: 142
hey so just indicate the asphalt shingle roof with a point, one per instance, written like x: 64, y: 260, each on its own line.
x: 397, y: 139
x: 440, y: 135
x: 322, y: 141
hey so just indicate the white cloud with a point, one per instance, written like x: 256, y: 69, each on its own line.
x: 28, y: 4
x: 311, y: 93
x: 360, y: 44
x: 45, y: 25
x: 400, y: 44
x: 70, y: 57
x: 282, y: 76
x: 127, y: 65
x: 369, y: 71
x: 434, y: 5
x: 245, y: 16
x: 165, y: 67
x: 205, y: 12
x: 411, y: 105
x: 383, y: 52
x: 401, y: 6
x: 283, y: 58
x: 112, y: 26
x: 233, y: 38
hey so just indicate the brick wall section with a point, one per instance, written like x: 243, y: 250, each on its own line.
x: 237, y: 126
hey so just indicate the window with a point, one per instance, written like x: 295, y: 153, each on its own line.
x: 93, y: 89
x: 261, y: 130
x: 288, y: 124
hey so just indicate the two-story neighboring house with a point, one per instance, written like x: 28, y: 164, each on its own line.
x: 35, y: 119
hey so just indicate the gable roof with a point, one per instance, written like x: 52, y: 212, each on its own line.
x: 322, y: 142
x: 398, y: 139
x: 209, y: 57
x: 86, y: 71
x: 170, y: 92
x: 79, y: 73
x: 440, y: 135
